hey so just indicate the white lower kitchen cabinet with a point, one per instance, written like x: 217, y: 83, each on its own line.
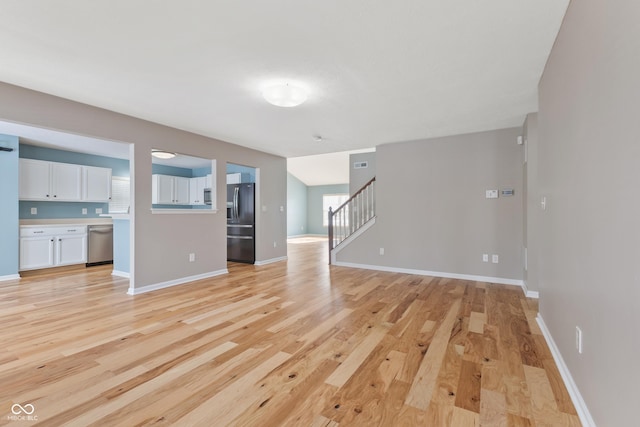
x: 36, y: 252
x: 52, y: 246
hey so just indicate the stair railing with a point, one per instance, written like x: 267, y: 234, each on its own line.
x: 351, y: 215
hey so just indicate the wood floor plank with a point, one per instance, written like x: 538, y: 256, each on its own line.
x: 423, y: 385
x: 295, y: 343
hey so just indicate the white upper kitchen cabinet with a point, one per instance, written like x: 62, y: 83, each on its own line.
x: 169, y: 190
x: 35, y: 180
x: 66, y: 182
x: 41, y: 180
x: 181, y: 190
x: 97, y: 184
x: 234, y: 178
x: 196, y: 190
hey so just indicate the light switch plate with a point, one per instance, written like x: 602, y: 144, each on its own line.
x: 491, y: 194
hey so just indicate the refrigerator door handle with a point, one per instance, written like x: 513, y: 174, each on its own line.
x: 236, y: 194
x: 240, y: 237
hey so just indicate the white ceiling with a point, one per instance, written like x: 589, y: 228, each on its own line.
x: 377, y: 72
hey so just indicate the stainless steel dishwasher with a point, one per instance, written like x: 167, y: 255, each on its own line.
x: 100, y: 244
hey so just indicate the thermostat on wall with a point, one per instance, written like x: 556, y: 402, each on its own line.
x: 506, y: 192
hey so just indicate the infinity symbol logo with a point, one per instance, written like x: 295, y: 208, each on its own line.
x: 17, y: 409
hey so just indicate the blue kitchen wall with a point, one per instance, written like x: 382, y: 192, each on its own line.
x: 48, y: 210
x: 248, y: 174
x: 121, y: 245
x: 197, y: 172
x: 296, y: 206
x: 171, y: 170
x: 314, y: 205
x: 9, y: 223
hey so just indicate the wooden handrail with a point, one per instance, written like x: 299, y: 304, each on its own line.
x: 355, y: 194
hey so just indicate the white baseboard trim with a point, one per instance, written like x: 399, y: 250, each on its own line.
x: 528, y: 293
x: 120, y: 274
x: 168, y: 284
x: 271, y: 261
x: 572, y: 388
x: 499, y: 280
x: 296, y: 236
x: 9, y: 277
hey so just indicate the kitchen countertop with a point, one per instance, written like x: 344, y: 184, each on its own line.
x: 64, y: 221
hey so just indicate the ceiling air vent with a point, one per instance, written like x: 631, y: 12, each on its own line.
x: 361, y: 165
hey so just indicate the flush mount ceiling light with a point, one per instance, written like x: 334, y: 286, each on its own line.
x: 285, y: 95
x: 161, y: 154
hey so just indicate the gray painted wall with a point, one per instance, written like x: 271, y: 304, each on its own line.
x: 161, y: 243
x: 314, y: 205
x: 9, y: 222
x: 359, y: 177
x: 432, y: 213
x: 590, y: 233
x: 296, y: 206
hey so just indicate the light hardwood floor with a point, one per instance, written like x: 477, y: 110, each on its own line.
x: 292, y: 343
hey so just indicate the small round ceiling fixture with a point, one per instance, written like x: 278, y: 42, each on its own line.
x: 161, y: 154
x: 317, y: 138
x: 285, y: 95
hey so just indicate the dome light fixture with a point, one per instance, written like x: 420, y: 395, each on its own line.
x: 285, y: 95
x: 161, y: 154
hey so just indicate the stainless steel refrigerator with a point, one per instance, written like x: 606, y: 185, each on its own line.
x: 241, y: 223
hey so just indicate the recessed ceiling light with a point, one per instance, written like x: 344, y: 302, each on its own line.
x: 317, y: 138
x: 285, y: 95
x: 161, y: 154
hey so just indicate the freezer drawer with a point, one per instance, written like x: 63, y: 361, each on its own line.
x: 240, y: 249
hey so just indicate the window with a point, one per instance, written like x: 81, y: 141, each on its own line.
x: 334, y: 201
x: 120, y: 190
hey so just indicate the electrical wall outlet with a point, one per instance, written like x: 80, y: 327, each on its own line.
x: 98, y: 210
x: 192, y: 257
x: 34, y: 211
x: 494, y: 258
x: 381, y: 251
x: 485, y: 257
x: 275, y: 244
x: 84, y: 211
